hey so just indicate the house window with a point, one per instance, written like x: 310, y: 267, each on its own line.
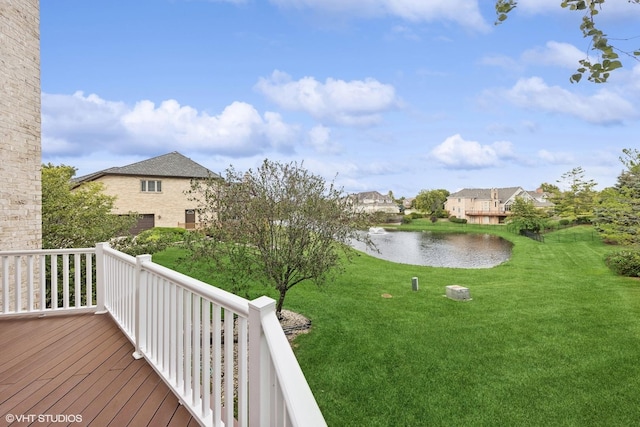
x: 150, y: 186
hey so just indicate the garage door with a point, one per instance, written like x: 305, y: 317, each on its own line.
x: 145, y: 222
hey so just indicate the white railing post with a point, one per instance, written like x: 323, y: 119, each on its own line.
x: 100, y: 278
x: 140, y: 314
x: 5, y: 285
x: 259, y: 362
x: 17, y: 284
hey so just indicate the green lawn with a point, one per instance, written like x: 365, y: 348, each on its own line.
x: 550, y: 338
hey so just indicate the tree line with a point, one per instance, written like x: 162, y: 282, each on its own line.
x: 614, y: 212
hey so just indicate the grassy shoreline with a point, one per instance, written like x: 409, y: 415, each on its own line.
x: 551, y: 337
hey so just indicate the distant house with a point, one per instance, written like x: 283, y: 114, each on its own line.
x: 406, y: 203
x: 154, y: 188
x: 490, y: 205
x: 541, y: 199
x: 372, y: 201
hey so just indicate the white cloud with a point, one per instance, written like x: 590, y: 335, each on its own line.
x: 501, y: 61
x: 554, y: 54
x: 87, y: 120
x: 457, y: 153
x: 539, y: 6
x: 630, y: 77
x: 351, y: 174
x: 281, y: 135
x: 530, y: 126
x: 557, y: 158
x: 604, y: 107
x: 77, y: 124
x: 463, y: 12
x: 353, y: 103
x: 319, y: 138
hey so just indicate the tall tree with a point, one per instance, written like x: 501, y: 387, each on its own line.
x: 607, y: 57
x: 77, y: 217
x: 525, y: 216
x: 431, y: 201
x: 549, y: 188
x: 617, y: 216
x: 279, y: 224
x: 578, y: 199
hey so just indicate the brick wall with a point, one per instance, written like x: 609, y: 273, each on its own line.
x: 168, y: 206
x: 20, y: 150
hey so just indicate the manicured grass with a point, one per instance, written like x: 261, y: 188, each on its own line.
x: 550, y: 337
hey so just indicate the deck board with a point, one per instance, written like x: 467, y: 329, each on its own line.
x: 81, y: 365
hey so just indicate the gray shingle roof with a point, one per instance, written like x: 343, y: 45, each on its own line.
x: 485, y: 193
x: 371, y: 195
x: 173, y: 165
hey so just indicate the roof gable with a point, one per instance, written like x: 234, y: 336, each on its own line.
x: 171, y: 165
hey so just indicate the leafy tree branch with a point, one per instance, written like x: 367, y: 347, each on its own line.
x: 607, y: 58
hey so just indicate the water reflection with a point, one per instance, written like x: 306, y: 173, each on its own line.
x: 460, y: 250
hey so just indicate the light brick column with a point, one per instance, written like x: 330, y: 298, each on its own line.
x: 20, y: 140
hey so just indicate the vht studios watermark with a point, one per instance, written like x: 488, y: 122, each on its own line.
x: 43, y: 418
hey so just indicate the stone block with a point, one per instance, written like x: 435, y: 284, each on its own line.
x: 458, y: 293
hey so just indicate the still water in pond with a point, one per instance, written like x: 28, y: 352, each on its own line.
x: 459, y: 250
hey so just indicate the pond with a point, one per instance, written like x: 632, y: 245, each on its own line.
x: 459, y: 250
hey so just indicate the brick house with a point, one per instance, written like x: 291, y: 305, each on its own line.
x: 372, y: 201
x: 490, y: 205
x: 153, y: 188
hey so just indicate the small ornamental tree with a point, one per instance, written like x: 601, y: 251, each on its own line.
x: 278, y: 224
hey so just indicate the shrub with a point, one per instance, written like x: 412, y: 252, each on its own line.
x: 173, y: 234
x: 564, y: 222
x: 583, y: 220
x: 457, y: 220
x: 624, y: 263
x: 385, y: 218
x: 150, y: 241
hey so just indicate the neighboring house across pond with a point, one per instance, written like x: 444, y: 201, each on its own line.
x: 490, y: 205
x: 153, y: 188
x: 541, y: 199
x: 372, y: 201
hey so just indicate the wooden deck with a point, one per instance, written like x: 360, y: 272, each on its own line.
x: 80, y: 365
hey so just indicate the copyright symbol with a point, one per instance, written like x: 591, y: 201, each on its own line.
x: 9, y: 418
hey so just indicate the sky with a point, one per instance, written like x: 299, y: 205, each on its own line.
x: 374, y: 95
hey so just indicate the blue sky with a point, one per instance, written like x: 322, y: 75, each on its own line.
x: 399, y: 95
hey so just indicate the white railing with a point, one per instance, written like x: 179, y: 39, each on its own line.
x: 47, y: 281
x: 226, y: 358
